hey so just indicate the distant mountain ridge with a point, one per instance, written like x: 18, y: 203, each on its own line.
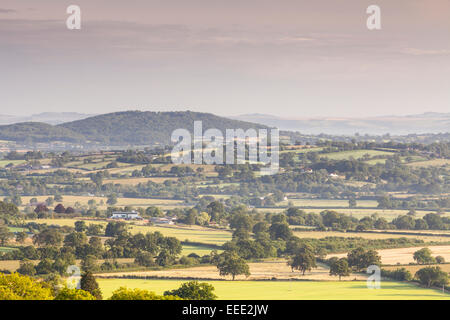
x: 430, y: 122
x: 44, y: 117
x: 121, y: 128
x: 143, y: 128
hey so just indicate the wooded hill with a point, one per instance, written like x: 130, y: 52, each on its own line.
x: 120, y: 128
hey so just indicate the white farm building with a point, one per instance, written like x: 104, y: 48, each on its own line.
x: 133, y: 215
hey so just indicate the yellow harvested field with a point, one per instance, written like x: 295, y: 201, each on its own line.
x: 404, y: 255
x: 10, y: 265
x: 266, y: 270
x: 389, y: 215
x: 430, y: 163
x: 414, y: 268
x: 189, y: 233
x: 419, y: 232
x: 323, y: 234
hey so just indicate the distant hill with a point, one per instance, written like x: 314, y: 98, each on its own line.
x: 137, y: 127
x: 45, y: 117
x: 37, y: 132
x: 395, y: 125
x: 121, y: 128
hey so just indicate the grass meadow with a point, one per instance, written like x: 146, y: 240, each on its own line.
x: 357, y: 154
x: 288, y: 290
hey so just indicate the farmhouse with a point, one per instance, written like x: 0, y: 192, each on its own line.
x: 133, y: 215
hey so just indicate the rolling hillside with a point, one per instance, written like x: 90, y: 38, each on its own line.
x: 37, y: 132
x: 120, y: 128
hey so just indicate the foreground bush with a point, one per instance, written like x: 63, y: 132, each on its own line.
x: 74, y: 294
x: 398, y: 274
x: 432, y: 276
x: 17, y: 287
x: 124, y: 293
x: 194, y: 290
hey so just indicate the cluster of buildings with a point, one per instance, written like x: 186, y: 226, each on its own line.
x: 133, y: 215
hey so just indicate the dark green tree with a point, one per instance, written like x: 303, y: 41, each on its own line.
x: 193, y: 290
x: 230, y: 263
x: 340, y: 268
x: 89, y: 283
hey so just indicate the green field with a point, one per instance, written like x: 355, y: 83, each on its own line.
x: 4, y: 163
x: 16, y: 229
x: 303, y: 150
x: 328, y: 203
x: 200, y: 250
x: 7, y: 249
x: 357, y: 154
x: 287, y: 290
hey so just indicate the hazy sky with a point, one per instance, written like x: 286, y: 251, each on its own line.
x: 289, y: 58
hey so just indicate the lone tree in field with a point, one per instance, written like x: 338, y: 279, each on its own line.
x: 440, y: 259
x: 230, y: 263
x: 423, y: 256
x: 360, y: 258
x: 89, y: 284
x: 339, y: 267
x: 112, y: 199
x: 304, y: 260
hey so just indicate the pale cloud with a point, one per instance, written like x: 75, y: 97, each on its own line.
x: 2, y: 10
x: 287, y: 56
x: 426, y: 52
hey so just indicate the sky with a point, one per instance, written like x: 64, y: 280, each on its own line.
x: 290, y: 58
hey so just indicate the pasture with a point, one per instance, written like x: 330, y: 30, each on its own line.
x: 327, y: 203
x: 288, y: 290
x: 4, y: 163
x: 356, y: 154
